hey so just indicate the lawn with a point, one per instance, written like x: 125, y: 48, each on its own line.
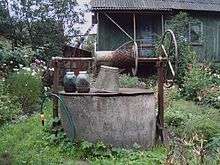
x: 28, y: 142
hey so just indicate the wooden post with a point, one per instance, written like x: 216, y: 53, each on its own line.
x: 160, y: 116
x: 162, y: 24
x: 55, y: 86
x: 134, y: 22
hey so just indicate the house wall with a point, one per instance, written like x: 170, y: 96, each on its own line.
x: 110, y: 37
x: 210, y: 46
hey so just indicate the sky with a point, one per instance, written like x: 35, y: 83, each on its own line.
x: 87, y: 17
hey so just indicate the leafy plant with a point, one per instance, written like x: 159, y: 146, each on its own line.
x: 214, y: 144
x: 26, y: 87
x: 187, y: 119
x: 9, y: 107
x: 127, y: 81
x: 210, y: 96
x: 14, y: 59
x: 196, y: 80
x: 187, y: 56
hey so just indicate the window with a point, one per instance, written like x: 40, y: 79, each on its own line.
x: 195, y: 32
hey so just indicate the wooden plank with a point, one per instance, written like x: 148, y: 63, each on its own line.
x: 146, y: 60
x: 73, y: 59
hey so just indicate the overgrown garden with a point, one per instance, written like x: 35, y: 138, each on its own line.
x: 26, y: 46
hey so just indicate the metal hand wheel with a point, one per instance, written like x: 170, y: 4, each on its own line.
x: 167, y: 49
x: 135, y: 68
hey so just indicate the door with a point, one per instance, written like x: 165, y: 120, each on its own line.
x: 146, y: 34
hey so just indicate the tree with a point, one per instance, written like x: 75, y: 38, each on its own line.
x: 44, y: 24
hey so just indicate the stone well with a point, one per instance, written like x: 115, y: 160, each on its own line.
x: 120, y: 119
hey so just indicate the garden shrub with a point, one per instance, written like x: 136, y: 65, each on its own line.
x: 187, y: 119
x: 215, y: 67
x: 127, y: 81
x: 196, y: 80
x: 26, y: 86
x: 210, y: 96
x: 201, y: 125
x: 15, y: 58
x: 9, y: 108
x: 150, y: 82
x: 187, y: 56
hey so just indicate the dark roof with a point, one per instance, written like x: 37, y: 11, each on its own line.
x: 199, y: 5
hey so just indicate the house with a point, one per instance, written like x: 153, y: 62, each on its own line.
x: 121, y: 21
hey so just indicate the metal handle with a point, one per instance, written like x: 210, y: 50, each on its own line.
x: 165, y: 53
x: 135, y: 69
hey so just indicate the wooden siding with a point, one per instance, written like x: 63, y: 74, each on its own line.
x: 210, y: 47
x: 110, y: 37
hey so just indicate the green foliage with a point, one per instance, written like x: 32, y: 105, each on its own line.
x: 215, y: 67
x: 122, y: 156
x: 50, y: 41
x: 210, y: 96
x: 214, y: 144
x: 13, y: 59
x: 9, y: 107
x: 197, y: 79
x: 187, y: 58
x: 26, y: 87
x: 201, y: 85
x: 89, y: 44
x: 179, y: 24
x: 27, y: 142
x: 149, y: 82
x: 196, y: 129
x: 127, y: 81
x: 40, y: 24
x: 93, y: 150
x: 186, y: 119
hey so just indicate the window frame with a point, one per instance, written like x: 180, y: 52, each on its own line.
x: 201, y: 35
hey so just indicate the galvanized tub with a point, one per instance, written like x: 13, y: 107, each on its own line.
x: 120, y: 119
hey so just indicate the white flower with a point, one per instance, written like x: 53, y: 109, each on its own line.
x: 27, y: 69
x: 20, y: 65
x: 11, y: 62
x: 218, y: 98
x: 45, y: 88
x: 33, y: 73
x: 15, y: 69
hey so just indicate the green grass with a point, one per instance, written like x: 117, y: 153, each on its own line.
x: 27, y: 142
x: 187, y: 119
